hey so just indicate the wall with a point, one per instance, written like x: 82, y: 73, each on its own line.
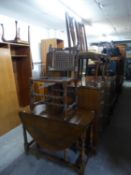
x: 37, y: 33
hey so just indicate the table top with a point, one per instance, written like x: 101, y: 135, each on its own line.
x: 80, y: 117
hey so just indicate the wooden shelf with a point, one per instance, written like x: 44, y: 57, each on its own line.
x: 19, y: 56
x: 15, y: 44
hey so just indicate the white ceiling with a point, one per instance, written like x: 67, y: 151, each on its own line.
x: 111, y: 20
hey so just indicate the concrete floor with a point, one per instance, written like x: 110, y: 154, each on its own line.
x: 113, y: 157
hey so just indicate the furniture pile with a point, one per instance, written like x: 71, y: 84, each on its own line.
x: 71, y: 103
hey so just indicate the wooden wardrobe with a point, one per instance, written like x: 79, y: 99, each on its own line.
x: 15, y: 73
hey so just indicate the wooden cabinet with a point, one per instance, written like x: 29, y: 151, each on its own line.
x: 93, y: 99
x: 46, y: 43
x: 15, y: 73
x: 22, y: 70
x: 8, y: 96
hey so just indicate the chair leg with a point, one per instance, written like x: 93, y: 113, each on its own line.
x: 83, y: 163
x: 65, y: 154
x: 92, y: 142
x: 26, y: 145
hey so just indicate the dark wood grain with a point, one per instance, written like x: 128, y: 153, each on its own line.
x: 53, y: 133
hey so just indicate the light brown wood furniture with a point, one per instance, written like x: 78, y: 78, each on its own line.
x: 8, y: 96
x: 15, y: 71
x: 45, y: 44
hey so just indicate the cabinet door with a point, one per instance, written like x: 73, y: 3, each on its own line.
x: 45, y: 46
x: 8, y: 96
x: 88, y: 98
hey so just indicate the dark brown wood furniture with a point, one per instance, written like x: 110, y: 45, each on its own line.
x: 21, y: 59
x: 92, y: 98
x: 53, y: 133
x: 55, y: 123
x: 57, y: 93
